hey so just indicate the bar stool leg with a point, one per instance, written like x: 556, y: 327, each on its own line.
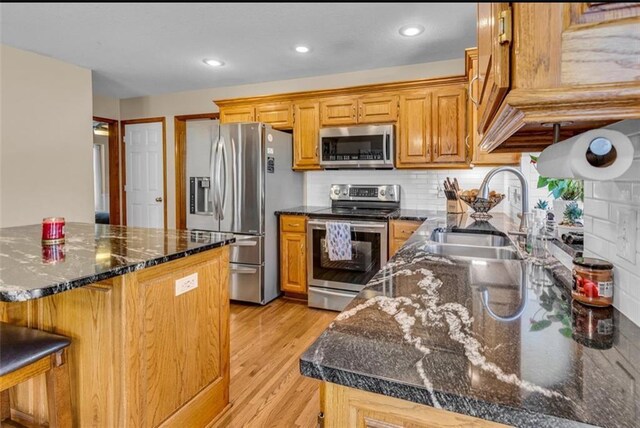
x: 5, y: 406
x: 58, y: 392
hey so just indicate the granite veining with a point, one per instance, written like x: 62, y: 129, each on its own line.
x: 91, y: 253
x: 300, y: 210
x: 483, y: 338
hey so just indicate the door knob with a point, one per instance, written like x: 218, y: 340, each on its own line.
x: 159, y: 199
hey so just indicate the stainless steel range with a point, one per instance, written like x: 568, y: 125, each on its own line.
x: 333, y: 284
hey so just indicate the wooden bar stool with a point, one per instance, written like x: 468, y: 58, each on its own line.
x: 26, y: 353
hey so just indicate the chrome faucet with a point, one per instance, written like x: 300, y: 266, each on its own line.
x: 483, y: 192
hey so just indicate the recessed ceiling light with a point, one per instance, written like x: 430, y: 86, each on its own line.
x: 411, y: 30
x: 302, y: 49
x: 213, y: 62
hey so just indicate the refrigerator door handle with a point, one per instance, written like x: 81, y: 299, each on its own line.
x: 211, y: 194
x: 222, y: 188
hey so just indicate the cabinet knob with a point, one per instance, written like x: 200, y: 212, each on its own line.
x: 159, y: 199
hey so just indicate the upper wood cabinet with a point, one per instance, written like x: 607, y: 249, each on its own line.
x: 432, y: 128
x: 414, y: 133
x: 479, y: 156
x: 448, y: 119
x: 378, y: 109
x: 278, y: 115
x: 237, y: 114
x: 373, y: 108
x: 339, y: 111
x: 574, y: 64
x: 306, y: 128
x: 494, y: 38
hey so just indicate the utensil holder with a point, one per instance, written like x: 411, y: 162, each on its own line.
x: 454, y: 206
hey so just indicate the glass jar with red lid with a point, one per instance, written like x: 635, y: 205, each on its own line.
x: 592, y: 281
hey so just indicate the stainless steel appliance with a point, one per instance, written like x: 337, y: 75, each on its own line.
x: 369, y: 146
x: 333, y: 284
x: 238, y: 175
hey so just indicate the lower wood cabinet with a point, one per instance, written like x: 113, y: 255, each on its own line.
x: 399, y: 232
x: 348, y: 407
x: 293, y: 254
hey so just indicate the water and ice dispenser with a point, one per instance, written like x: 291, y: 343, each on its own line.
x: 199, y: 188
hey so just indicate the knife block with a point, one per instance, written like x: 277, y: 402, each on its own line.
x: 455, y: 206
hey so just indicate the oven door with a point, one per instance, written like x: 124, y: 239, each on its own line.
x: 369, y: 254
x: 357, y: 147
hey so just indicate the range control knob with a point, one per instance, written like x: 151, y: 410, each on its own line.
x: 391, y: 193
x: 344, y: 192
x: 382, y: 192
x: 336, y: 192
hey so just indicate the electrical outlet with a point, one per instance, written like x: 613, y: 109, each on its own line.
x: 626, y: 234
x: 188, y: 283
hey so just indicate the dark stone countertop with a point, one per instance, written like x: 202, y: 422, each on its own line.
x: 400, y: 214
x: 528, y: 357
x: 300, y: 210
x: 91, y: 253
x: 415, y: 215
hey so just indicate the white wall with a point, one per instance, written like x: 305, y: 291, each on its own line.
x: 201, y: 101
x: 604, y: 201
x: 45, y: 140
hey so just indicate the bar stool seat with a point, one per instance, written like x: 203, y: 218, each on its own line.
x: 26, y: 353
x: 21, y: 346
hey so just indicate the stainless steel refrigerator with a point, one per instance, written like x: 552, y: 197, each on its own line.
x: 237, y: 176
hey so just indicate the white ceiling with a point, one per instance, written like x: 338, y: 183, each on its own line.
x: 140, y: 49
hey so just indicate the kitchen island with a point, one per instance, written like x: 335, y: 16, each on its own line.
x: 436, y: 340
x: 147, y: 312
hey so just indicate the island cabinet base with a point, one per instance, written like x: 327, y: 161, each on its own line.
x: 142, y: 354
x: 342, y: 406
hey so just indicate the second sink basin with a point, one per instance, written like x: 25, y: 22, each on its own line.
x: 465, y: 238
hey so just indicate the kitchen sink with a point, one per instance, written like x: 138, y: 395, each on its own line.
x: 474, y: 239
x: 474, y: 251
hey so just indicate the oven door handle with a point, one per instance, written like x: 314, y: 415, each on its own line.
x: 367, y: 225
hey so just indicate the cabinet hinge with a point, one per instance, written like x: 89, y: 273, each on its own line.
x: 320, y: 420
x: 504, y: 27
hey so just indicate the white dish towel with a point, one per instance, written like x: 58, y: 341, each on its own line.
x: 338, y: 240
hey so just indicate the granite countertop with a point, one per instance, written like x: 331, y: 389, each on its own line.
x: 483, y: 338
x: 300, y: 210
x: 400, y: 214
x: 91, y: 253
x: 414, y: 215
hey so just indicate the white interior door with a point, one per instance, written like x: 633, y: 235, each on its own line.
x: 145, y: 177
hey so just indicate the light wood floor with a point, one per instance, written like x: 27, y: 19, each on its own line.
x: 267, y: 389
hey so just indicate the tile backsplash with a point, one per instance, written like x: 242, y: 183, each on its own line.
x: 612, y: 231
x: 420, y: 189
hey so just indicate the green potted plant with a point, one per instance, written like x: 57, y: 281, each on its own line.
x: 563, y: 191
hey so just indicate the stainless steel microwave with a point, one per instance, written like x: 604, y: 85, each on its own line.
x: 348, y: 147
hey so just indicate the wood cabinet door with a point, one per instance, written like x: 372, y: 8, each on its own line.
x: 479, y: 156
x: 414, y: 142
x: 306, y: 127
x: 448, y: 115
x: 378, y: 109
x: 278, y: 115
x: 339, y: 111
x: 493, y: 59
x: 293, y: 266
x: 182, y: 351
x: 237, y: 114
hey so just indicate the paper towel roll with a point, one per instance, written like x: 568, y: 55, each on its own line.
x: 598, y: 154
